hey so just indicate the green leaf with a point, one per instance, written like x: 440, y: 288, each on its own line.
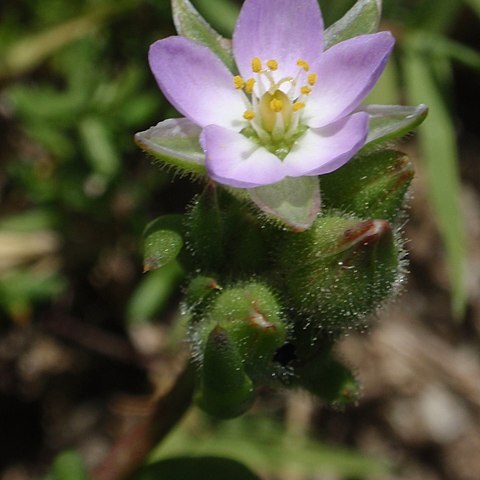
x: 190, y: 24
x: 439, y: 152
x: 163, y: 241
x: 294, y: 202
x: 263, y: 445
x: 361, y: 19
x: 392, y: 121
x: 199, y: 468
x: 175, y: 143
x: 68, y: 466
x: 99, y: 147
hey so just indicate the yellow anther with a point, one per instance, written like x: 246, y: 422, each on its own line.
x: 298, y: 106
x: 256, y: 65
x: 272, y: 65
x: 312, y: 79
x: 239, y: 82
x: 306, y: 90
x: 303, y: 64
x: 276, y: 105
x: 249, y: 85
x: 249, y: 115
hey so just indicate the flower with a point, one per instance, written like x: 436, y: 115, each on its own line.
x: 292, y: 109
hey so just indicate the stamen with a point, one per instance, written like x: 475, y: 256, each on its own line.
x: 256, y: 65
x: 306, y: 90
x: 312, y: 79
x: 298, y: 106
x: 239, y: 82
x: 249, y: 115
x: 249, y: 85
x: 272, y: 65
x: 303, y: 64
x: 276, y: 105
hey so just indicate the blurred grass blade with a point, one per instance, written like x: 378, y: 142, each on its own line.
x: 474, y: 5
x: 174, y: 142
x: 189, y: 23
x: 31, y: 51
x: 189, y: 468
x: 439, y: 152
x: 361, y: 19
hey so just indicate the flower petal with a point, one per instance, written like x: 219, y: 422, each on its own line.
x: 323, y: 150
x: 347, y: 72
x: 235, y: 160
x: 283, y: 30
x: 196, y: 82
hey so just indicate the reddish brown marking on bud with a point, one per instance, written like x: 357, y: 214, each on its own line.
x: 365, y: 233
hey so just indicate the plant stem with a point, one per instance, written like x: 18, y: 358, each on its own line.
x: 132, y: 448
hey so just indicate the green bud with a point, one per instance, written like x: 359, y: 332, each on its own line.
x: 225, y: 390
x: 163, y: 241
x: 339, y: 270
x: 251, y: 315
x: 199, y: 289
x: 370, y: 186
x: 328, y: 379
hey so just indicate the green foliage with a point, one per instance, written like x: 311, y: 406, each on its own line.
x: 196, y: 468
x: 263, y: 445
x: 67, y: 466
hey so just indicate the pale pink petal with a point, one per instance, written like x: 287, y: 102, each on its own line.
x: 323, y: 150
x: 283, y: 30
x: 196, y: 82
x: 235, y: 160
x: 347, y: 72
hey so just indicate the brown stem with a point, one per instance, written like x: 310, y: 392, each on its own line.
x: 131, y: 450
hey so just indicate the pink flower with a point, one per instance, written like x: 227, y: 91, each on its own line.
x: 292, y: 109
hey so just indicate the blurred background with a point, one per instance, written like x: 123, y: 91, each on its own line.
x: 86, y: 338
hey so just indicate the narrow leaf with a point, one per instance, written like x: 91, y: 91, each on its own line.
x: 174, y: 142
x: 196, y: 468
x: 392, y: 121
x: 189, y: 23
x: 439, y: 151
x: 362, y: 18
x: 294, y: 202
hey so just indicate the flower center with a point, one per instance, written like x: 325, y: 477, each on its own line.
x: 274, y: 113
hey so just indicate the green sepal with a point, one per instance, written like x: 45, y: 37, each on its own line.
x: 162, y: 241
x: 388, y: 122
x: 189, y: 23
x: 68, y: 465
x: 327, y: 379
x: 206, y: 231
x: 293, y: 202
x: 225, y: 390
x: 361, y: 19
x: 252, y: 316
x: 348, y: 267
x: 175, y: 143
x: 370, y: 186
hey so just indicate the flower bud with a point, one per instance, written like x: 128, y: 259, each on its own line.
x: 340, y: 269
x: 327, y: 379
x: 251, y: 315
x: 163, y: 241
x: 199, y: 289
x: 370, y: 186
x: 225, y: 390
